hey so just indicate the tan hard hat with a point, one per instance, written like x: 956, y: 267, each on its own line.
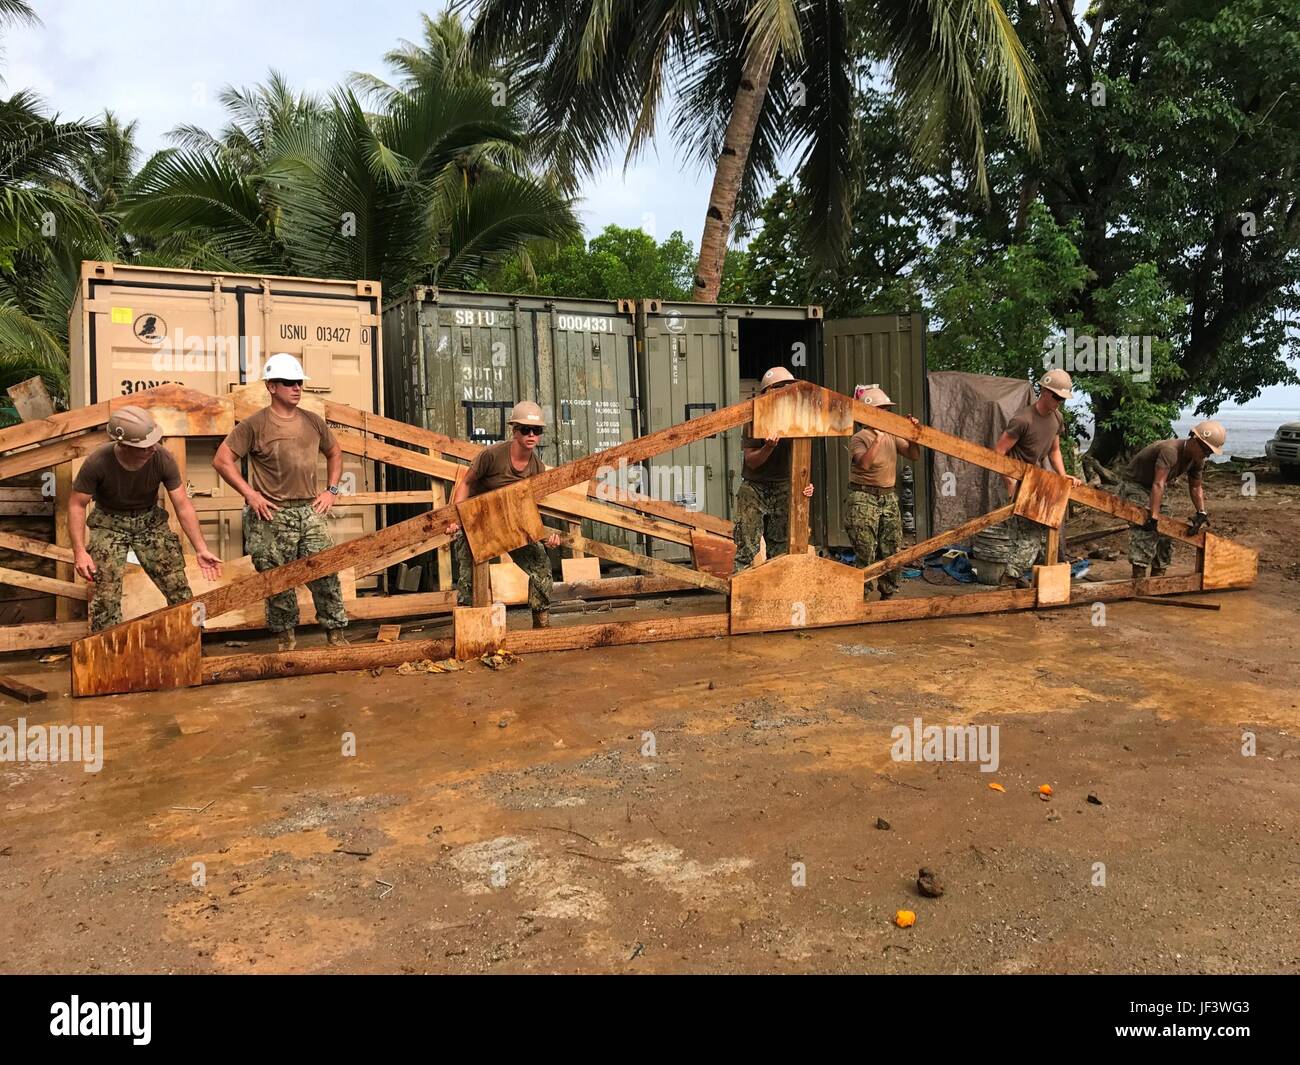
x: 134, y: 427
x: 526, y: 412
x: 1212, y: 434
x: 876, y: 397
x: 775, y: 376
x: 1057, y: 382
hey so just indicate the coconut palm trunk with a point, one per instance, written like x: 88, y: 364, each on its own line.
x: 750, y: 95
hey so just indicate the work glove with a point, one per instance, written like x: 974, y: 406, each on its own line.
x: 1150, y: 524
x: 1197, y: 523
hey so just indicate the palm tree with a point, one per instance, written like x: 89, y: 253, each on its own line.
x: 753, y: 81
x: 430, y: 188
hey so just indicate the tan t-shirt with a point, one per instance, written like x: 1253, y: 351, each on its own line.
x: 114, y: 487
x: 282, y: 452
x: 777, y: 467
x: 492, y: 469
x: 1175, y: 456
x: 1033, y: 434
x: 883, y: 470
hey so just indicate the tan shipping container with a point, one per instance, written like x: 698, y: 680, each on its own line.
x: 132, y: 328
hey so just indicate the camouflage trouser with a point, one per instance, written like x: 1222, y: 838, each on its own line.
x: 875, y: 528
x: 294, y: 531
x: 531, y: 558
x: 1145, y: 548
x: 1027, y: 540
x: 762, y: 510
x: 112, y: 535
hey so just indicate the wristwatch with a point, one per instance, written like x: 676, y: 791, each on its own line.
x: 333, y: 489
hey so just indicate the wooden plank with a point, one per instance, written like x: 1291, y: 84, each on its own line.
x: 162, y: 650
x: 50, y: 455
x: 1163, y: 601
x: 647, y: 564
x: 374, y: 424
x: 1104, y: 591
x: 795, y: 592
x: 26, y: 510
x: 565, y: 505
x: 1228, y: 565
x: 388, y: 633
x: 31, y: 400
x: 222, y: 669
x: 577, y: 637
x: 24, y: 693
x: 51, y: 585
x: 802, y: 410
x: 32, y: 636
x: 952, y: 536
x: 509, y: 582
x: 498, y: 522
x: 574, y: 528
x: 617, y: 587
x: 1043, y: 496
x: 209, y: 504
x: 1052, y: 583
x: 181, y: 411
x: 444, y: 553
x: 580, y: 569
x: 415, y: 604
x: 481, y: 585
x: 64, y: 571
x: 800, y: 478
x: 693, y: 519
x: 477, y: 630
x: 1174, y: 528
x: 713, y: 554
x: 28, y: 546
x: 1053, y: 552
x: 43, y: 429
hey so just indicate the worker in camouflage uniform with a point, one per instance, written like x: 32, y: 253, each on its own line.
x: 284, y: 516
x: 871, y: 515
x: 1032, y: 436
x: 496, y: 467
x: 122, y: 480
x: 1150, y: 473
x: 763, y: 498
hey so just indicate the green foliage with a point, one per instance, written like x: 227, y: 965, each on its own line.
x: 618, y: 263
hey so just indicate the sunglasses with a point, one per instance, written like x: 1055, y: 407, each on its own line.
x: 529, y: 430
x: 286, y: 384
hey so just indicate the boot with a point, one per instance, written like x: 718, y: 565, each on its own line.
x: 1138, y: 571
x: 1157, y: 572
x: 335, y: 638
x: 541, y: 619
x: 287, y: 640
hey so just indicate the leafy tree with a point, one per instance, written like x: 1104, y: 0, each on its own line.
x: 756, y: 83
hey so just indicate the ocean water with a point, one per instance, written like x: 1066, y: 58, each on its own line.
x: 1248, y: 428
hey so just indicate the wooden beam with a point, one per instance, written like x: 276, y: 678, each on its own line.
x: 618, y: 587
x: 28, y: 546
x: 564, y: 505
x: 33, y: 636
x: 694, y: 519
x: 210, y: 504
x: 646, y: 564
x: 952, y: 536
x: 575, y: 637
x: 222, y: 669
x: 1121, y: 508
x: 1162, y: 601
x: 392, y: 558
x: 800, y: 478
x: 51, y: 585
x: 375, y: 425
x: 24, y: 693
x: 50, y: 455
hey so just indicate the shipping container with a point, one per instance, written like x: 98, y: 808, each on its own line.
x: 132, y: 328
x: 606, y: 371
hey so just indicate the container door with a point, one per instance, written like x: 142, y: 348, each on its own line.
x: 472, y: 367
x: 586, y: 357
x: 886, y: 350
x: 691, y: 368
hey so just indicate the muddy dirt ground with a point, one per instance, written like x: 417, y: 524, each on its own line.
x: 515, y: 821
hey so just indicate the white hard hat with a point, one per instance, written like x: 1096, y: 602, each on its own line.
x: 283, y: 367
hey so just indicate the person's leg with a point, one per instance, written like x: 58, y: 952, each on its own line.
x: 859, y: 523
x: 273, y: 543
x: 533, y: 560
x: 1141, y: 544
x: 889, y: 538
x: 464, y: 560
x: 107, y: 547
x: 1164, y: 554
x: 1025, y: 544
x: 160, y: 555
x: 748, y: 526
x: 776, y: 518
x: 326, y: 592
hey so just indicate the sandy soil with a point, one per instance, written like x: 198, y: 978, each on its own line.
x: 516, y: 821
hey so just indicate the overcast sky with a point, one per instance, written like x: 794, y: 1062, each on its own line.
x: 163, y: 62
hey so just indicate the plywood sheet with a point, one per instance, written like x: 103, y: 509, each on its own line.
x: 154, y: 653
x: 500, y: 521
x: 795, y: 592
x: 1228, y: 565
x: 1052, y: 583
x: 509, y: 583
x: 577, y: 570
x: 1043, y: 496
x: 803, y: 409
x: 478, y: 630
x: 713, y: 554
